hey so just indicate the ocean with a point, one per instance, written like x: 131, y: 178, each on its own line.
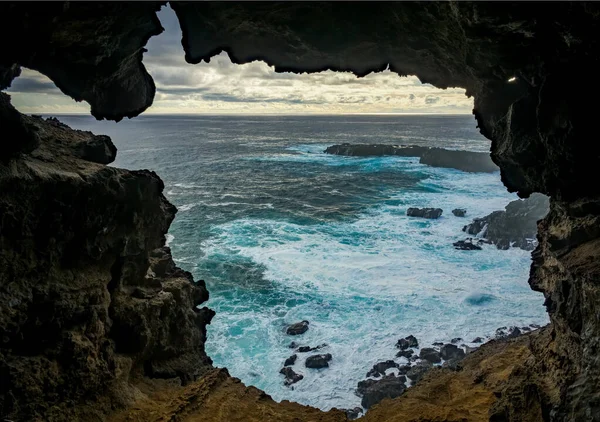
x: 282, y: 232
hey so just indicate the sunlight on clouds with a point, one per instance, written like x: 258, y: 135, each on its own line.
x: 223, y: 87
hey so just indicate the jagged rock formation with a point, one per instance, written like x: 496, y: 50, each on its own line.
x: 91, y: 300
x: 515, y: 226
x: 435, y: 157
x: 540, y: 127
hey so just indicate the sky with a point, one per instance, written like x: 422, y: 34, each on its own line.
x: 221, y: 87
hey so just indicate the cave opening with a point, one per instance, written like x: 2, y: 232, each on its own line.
x: 274, y: 256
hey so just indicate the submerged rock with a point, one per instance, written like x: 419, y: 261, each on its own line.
x: 430, y: 355
x: 380, y: 368
x: 405, y: 353
x: 431, y: 213
x: 297, y: 328
x: 406, y: 342
x: 291, y: 360
x: 459, y: 212
x: 306, y: 349
x: 318, y: 361
x: 373, y: 391
x: 291, y: 377
x: 477, y: 340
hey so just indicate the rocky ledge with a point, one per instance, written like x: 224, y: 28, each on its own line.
x: 91, y: 299
x: 516, y: 225
x: 435, y: 157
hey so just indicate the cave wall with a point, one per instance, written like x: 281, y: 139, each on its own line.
x: 541, y: 125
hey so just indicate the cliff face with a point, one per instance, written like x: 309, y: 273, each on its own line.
x: 89, y: 300
x: 90, y: 297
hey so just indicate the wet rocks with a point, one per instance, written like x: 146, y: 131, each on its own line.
x: 306, y: 349
x: 515, y: 226
x: 451, y: 352
x: 380, y: 368
x: 291, y: 377
x: 416, y: 372
x: 405, y: 354
x: 353, y: 413
x: 291, y: 360
x: 459, y: 212
x: 477, y: 340
x: 373, y: 391
x: 406, y: 342
x: 510, y: 332
x: 466, y: 245
x: 297, y: 328
x: 430, y: 355
x: 376, y: 150
x: 431, y: 213
x: 318, y: 361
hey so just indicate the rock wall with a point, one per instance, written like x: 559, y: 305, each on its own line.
x: 62, y: 259
x: 91, y: 300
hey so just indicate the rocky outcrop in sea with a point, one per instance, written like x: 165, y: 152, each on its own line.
x: 435, y: 157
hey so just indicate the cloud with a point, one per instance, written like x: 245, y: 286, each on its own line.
x: 223, y: 87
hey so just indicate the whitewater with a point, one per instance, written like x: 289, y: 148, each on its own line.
x: 282, y: 232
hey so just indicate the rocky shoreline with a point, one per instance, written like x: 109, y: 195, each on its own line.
x: 435, y: 157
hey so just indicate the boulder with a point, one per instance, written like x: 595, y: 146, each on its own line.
x: 416, y: 372
x: 459, y: 212
x: 477, y: 340
x: 431, y: 213
x: 291, y: 360
x: 297, y: 328
x: 405, y: 353
x: 306, y: 349
x: 380, y: 368
x: 373, y: 392
x: 318, y: 361
x: 430, y: 355
x: 291, y: 377
x: 456, y: 340
x: 406, y: 342
x: 353, y: 413
x: 451, y: 352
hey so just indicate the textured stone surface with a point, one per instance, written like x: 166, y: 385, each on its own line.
x: 90, y: 297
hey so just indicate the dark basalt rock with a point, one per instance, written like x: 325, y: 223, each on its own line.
x: 477, y: 340
x: 406, y: 342
x: 291, y: 377
x: 416, y: 372
x: 456, y: 340
x: 435, y: 157
x: 430, y: 355
x: 318, y: 361
x: 306, y: 349
x: 511, y: 332
x: 431, y: 213
x: 517, y: 224
x: 459, y: 212
x: 373, y: 391
x: 451, y: 352
x: 380, y: 368
x: 353, y: 413
x: 466, y: 245
x: 405, y: 353
x: 297, y: 328
x: 291, y: 360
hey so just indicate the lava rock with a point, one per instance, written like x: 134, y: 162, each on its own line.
x: 430, y: 355
x: 456, y: 340
x: 293, y: 345
x: 451, y: 352
x: 402, y: 370
x: 477, y: 340
x: 298, y: 328
x: 466, y: 245
x: 406, y: 342
x: 380, y: 368
x: 438, y: 343
x: 353, y: 413
x: 291, y: 360
x: 291, y: 377
x: 459, y: 212
x: 306, y: 349
x: 405, y: 353
x: 431, y: 213
x: 318, y: 361
x: 373, y: 392
x: 416, y: 372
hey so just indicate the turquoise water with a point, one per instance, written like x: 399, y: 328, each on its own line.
x: 282, y: 232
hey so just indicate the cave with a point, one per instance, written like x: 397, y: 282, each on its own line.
x: 97, y: 323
